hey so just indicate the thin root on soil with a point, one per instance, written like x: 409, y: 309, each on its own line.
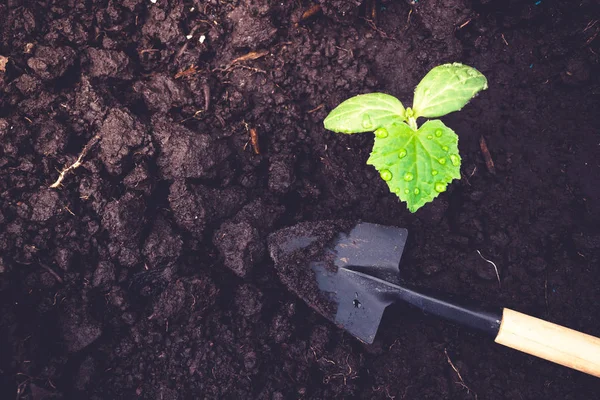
x: 191, y: 70
x: 494, y: 265
x: 77, y: 162
x: 461, y: 381
x: 317, y: 108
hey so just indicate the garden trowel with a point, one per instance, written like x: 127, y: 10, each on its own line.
x: 349, y: 272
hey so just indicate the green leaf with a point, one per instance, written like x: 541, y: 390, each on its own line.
x: 365, y: 113
x: 416, y: 165
x: 447, y: 88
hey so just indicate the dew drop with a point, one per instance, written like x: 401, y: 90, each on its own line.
x: 408, y: 177
x: 434, y: 172
x: 366, y: 122
x: 406, y: 191
x: 429, y: 137
x: 416, y: 191
x: 385, y: 175
x: 440, y: 187
x: 402, y: 153
x: 438, y: 133
x: 396, y: 191
x: 380, y: 133
x: 442, y: 161
x: 445, y: 148
x: 454, y: 159
x: 427, y: 92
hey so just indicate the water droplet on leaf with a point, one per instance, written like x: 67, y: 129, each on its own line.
x: 438, y: 133
x: 416, y: 191
x: 366, y: 122
x: 442, y: 161
x: 434, y: 172
x: 429, y: 137
x: 386, y: 175
x: 406, y: 191
x: 445, y: 148
x: 402, y: 153
x: 408, y: 177
x: 381, y: 132
x: 427, y: 92
x: 440, y: 187
x: 454, y: 159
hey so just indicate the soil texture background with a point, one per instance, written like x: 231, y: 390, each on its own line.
x: 145, y: 273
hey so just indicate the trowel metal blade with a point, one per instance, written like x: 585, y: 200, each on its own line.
x: 329, y: 254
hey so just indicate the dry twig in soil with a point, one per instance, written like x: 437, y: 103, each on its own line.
x: 191, y: 70
x: 3, y: 62
x: 489, y: 163
x: 253, y: 55
x: 372, y: 10
x: 317, y: 108
x: 254, y: 140
x: 310, y: 12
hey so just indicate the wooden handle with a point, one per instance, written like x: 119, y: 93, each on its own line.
x: 549, y: 341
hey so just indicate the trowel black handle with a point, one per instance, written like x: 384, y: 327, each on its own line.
x: 463, y: 313
x: 516, y: 330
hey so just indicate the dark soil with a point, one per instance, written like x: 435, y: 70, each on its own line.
x: 146, y: 275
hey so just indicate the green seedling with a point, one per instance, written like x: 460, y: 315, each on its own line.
x: 417, y: 163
